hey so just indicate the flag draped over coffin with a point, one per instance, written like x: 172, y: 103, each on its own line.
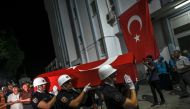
x: 88, y: 73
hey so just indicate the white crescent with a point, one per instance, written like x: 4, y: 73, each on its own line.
x: 133, y: 18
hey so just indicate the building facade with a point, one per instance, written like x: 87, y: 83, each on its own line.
x: 88, y: 30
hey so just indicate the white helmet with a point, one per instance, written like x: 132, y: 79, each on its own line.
x: 39, y: 81
x: 105, y: 71
x: 63, y: 78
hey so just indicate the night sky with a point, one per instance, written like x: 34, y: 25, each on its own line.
x: 29, y: 21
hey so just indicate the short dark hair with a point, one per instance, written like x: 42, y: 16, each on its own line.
x: 177, y: 51
x: 23, y: 83
x: 15, y: 85
x: 149, y: 56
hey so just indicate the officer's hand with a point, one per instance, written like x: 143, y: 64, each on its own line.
x: 87, y: 88
x: 55, y: 90
x: 128, y: 81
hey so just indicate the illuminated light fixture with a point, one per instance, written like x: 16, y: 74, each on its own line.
x: 182, y: 4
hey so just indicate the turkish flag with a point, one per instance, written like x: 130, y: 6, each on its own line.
x: 138, y: 32
x: 88, y: 73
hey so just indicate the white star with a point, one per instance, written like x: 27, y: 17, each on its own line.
x: 137, y: 38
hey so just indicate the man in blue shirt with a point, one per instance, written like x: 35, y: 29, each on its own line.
x: 163, y: 70
x: 154, y: 80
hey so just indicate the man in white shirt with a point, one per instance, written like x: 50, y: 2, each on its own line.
x: 14, y: 99
x: 183, y: 68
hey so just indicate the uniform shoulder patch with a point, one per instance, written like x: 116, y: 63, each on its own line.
x: 64, y: 99
x: 117, y: 98
x: 35, y: 100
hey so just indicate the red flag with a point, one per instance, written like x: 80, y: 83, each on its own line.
x: 88, y: 73
x: 138, y: 31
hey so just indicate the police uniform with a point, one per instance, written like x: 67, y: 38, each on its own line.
x: 113, y: 98
x: 64, y: 98
x: 37, y: 97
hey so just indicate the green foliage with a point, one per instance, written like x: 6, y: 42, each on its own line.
x: 11, y: 56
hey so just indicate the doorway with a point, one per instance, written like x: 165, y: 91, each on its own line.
x: 180, y: 26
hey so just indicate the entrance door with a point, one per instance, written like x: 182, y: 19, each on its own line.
x: 180, y: 26
x: 183, y: 41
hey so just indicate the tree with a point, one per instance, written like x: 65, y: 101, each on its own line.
x: 11, y: 56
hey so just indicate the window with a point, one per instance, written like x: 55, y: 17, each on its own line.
x: 184, y: 43
x: 164, y: 2
x: 93, y: 6
x: 111, y: 5
x: 102, y: 48
x: 75, y: 12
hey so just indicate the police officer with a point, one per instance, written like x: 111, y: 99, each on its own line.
x: 112, y: 96
x: 41, y: 99
x: 68, y: 97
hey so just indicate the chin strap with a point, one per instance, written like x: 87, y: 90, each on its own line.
x: 109, y: 83
x: 40, y: 91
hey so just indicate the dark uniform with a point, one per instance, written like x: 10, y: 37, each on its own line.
x: 37, y: 97
x: 64, y: 98
x: 113, y: 98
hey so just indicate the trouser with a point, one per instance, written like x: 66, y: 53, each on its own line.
x: 165, y: 82
x: 184, y: 81
x: 27, y: 106
x: 155, y: 86
x: 175, y: 77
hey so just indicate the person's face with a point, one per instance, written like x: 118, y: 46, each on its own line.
x: 10, y: 87
x: 25, y: 87
x: 112, y: 78
x: 176, y: 54
x: 68, y: 85
x: 15, y: 90
x: 42, y: 87
x: 148, y: 60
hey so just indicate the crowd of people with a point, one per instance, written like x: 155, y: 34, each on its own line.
x: 14, y: 98
x: 161, y: 75
x: 164, y: 75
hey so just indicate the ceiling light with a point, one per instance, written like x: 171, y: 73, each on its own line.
x: 182, y: 4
